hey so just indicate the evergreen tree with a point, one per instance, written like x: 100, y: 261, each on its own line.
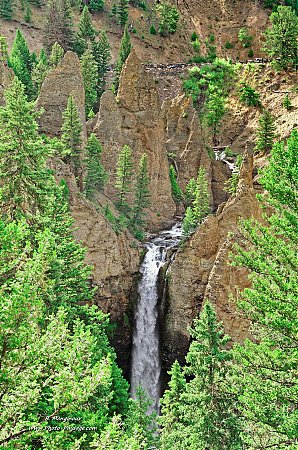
x: 265, y: 133
x: 56, y: 55
x: 200, y: 204
x: 169, y: 17
x: 6, y: 9
x: 287, y: 103
x: 190, y: 191
x: 71, y: 134
x: 86, y: 34
x: 176, y: 190
x: 96, y: 175
x: 123, y: 178
x: 96, y: 5
x: 122, y: 12
x: 58, y: 25
x: 142, y: 195
x: 266, y: 368
x: 89, y: 72
x: 21, y: 63
x: 282, y: 37
x: 102, y: 54
x: 249, y: 95
x: 124, y: 51
x: 23, y: 173
x: 215, y: 110
x: 204, y: 416
x: 40, y: 71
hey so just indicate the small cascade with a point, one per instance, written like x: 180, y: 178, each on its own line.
x: 146, y: 364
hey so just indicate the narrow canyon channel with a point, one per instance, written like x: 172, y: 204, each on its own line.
x: 146, y: 363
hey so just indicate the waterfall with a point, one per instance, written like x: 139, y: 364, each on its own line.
x: 146, y: 364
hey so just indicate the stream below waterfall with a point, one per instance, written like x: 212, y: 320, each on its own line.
x: 146, y: 363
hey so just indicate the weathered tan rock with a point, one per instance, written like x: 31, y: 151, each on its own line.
x: 6, y: 76
x: 201, y: 270
x: 65, y: 80
x: 115, y: 260
x: 134, y: 118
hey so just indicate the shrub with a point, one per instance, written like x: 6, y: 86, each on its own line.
x: 249, y: 95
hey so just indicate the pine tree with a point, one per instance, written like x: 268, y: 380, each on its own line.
x: 176, y: 190
x: 6, y: 9
x: 124, y: 51
x: 40, y: 71
x: 266, y: 368
x: 89, y: 72
x: 122, y: 12
x: 200, y: 204
x: 21, y: 63
x: 96, y: 176
x: 71, y: 134
x: 169, y: 17
x: 287, y: 103
x: 56, y: 55
x: 171, y: 400
x: 215, y: 110
x: 190, y: 191
x: 282, y: 37
x: 58, y: 25
x: 123, y: 178
x: 23, y: 173
x: 265, y: 133
x: 142, y: 195
x: 96, y: 5
x: 102, y: 54
x: 204, y: 416
x: 86, y: 34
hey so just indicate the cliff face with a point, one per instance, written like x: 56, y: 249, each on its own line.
x: 135, y: 118
x: 115, y: 260
x: 201, y: 271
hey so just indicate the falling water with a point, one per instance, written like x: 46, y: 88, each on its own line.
x: 146, y: 364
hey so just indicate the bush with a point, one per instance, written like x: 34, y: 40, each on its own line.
x: 153, y: 30
x: 194, y: 36
x: 245, y: 38
x: 229, y: 45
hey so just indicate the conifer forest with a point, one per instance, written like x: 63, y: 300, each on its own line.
x: 149, y: 224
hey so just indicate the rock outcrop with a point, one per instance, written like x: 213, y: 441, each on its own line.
x: 115, y: 260
x: 135, y: 118
x: 65, y: 80
x: 201, y: 271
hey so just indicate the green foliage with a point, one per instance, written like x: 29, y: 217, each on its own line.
x: 6, y: 9
x: 3, y: 50
x: 266, y: 368
x: 21, y: 63
x: 96, y: 5
x: 287, y: 103
x: 265, y: 133
x: 124, y: 51
x: 232, y: 183
x: 90, y: 74
x: 215, y: 110
x: 198, y: 414
x: 96, y: 176
x: 245, y: 38
x: 142, y: 196
x: 153, y: 30
x: 40, y: 71
x: 196, y: 45
x: 58, y: 25
x: 282, y: 37
x: 176, y: 190
x: 168, y: 18
x: 194, y: 36
x: 249, y: 95
x: 102, y: 54
x: 211, y: 48
x: 118, y: 223
x: 56, y: 55
x: 229, y: 45
x: 123, y: 179
x: 190, y: 191
x: 22, y: 158
x: 71, y: 134
x: 28, y: 13
x: 122, y: 12
x: 86, y: 34
x: 200, y: 204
